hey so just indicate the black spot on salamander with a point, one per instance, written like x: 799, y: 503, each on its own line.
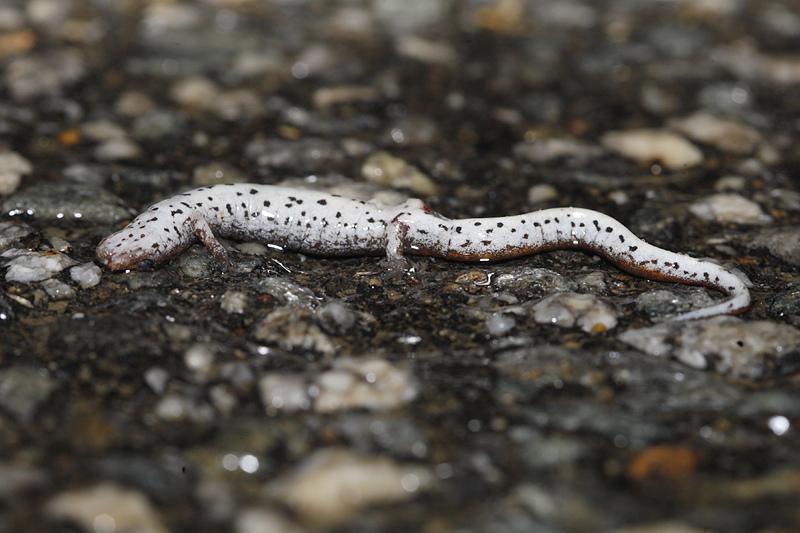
x: 486, y: 243
x: 244, y: 205
x: 477, y: 224
x: 525, y: 236
x: 371, y: 220
x: 536, y: 225
x: 730, y: 288
x: 621, y: 238
x: 186, y: 205
x: 253, y: 191
x: 299, y: 202
x: 422, y: 232
x: 215, y: 208
x: 557, y: 221
x: 581, y: 224
x: 229, y: 208
x: 155, y: 245
x: 288, y: 205
x: 596, y: 224
x: 499, y: 224
x: 466, y: 243
x: 458, y: 229
x: 490, y: 230
x: 513, y: 230
x: 633, y: 248
x: 210, y: 199
x: 322, y: 202
x: 199, y: 204
x: 266, y: 203
x: 609, y: 229
x: 338, y: 214
x: 706, y: 275
x: 572, y: 224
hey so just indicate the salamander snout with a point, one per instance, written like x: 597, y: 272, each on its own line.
x: 119, y: 251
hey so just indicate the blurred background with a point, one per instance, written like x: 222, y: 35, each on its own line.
x: 301, y: 394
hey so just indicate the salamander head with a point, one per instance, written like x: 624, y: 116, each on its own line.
x: 132, y: 249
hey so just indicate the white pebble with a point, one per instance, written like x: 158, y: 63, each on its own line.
x: 654, y: 146
x: 12, y: 167
x: 727, y: 135
x: 116, y: 149
x: 729, y: 208
x: 199, y: 358
x: 234, y: 302
x: 156, y: 378
x: 364, y: 383
x: 334, y: 484
x: 86, y: 275
x: 566, y: 309
x: 284, y: 392
x: 499, y: 324
x: 58, y: 290
x: 25, y: 266
x: 542, y: 193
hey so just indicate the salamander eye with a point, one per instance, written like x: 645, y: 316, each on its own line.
x: 145, y: 265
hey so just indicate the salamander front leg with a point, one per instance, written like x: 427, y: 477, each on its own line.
x: 202, y: 231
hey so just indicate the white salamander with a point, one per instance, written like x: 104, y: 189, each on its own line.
x: 327, y: 224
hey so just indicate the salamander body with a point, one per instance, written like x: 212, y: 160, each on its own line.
x: 328, y: 224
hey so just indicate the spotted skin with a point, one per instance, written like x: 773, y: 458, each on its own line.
x: 328, y: 224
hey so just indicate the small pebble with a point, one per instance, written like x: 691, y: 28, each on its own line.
x: 86, y: 275
x: 498, y: 324
x: 728, y: 345
x: 373, y: 384
x: 25, y: 266
x: 12, y: 233
x: 117, y: 150
x: 234, y: 302
x: 12, y: 167
x: 567, y: 309
x: 729, y: 208
x: 58, y: 290
x: 542, y: 193
x: 385, y: 169
x: 199, y: 358
x: 727, y: 135
x: 105, y: 508
x: 284, y: 392
x: 551, y: 149
x: 156, y: 378
x: 654, y: 146
x: 321, y: 488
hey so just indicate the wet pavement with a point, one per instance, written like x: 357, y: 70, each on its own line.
x: 292, y: 393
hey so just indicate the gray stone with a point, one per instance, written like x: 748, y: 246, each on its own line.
x: 61, y: 202
x: 728, y: 345
x: 23, y: 389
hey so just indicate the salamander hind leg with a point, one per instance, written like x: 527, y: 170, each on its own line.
x: 202, y: 231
